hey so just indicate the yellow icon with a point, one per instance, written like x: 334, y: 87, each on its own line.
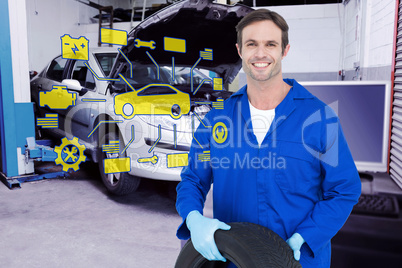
x: 112, y: 148
x: 49, y: 121
x: 174, y: 44
x: 116, y: 165
x: 205, y: 156
x: 206, y: 54
x: 220, y: 132
x: 177, y: 160
x: 141, y: 43
x: 74, y: 48
x: 70, y: 154
x: 218, y: 104
x: 111, y: 36
x: 57, y: 98
x: 153, y: 160
x: 218, y: 83
x: 149, y: 101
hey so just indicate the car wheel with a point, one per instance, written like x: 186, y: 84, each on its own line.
x: 116, y: 183
x: 245, y: 245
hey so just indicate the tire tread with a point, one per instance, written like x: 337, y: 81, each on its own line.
x: 247, y: 244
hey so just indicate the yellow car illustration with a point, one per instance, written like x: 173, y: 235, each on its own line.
x: 153, y: 99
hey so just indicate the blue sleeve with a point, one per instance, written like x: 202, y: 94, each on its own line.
x: 196, y: 178
x: 341, y: 188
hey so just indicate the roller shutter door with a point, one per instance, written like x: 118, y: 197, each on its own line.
x: 395, y: 167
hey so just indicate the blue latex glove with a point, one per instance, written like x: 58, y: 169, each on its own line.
x: 295, y: 242
x: 202, y: 231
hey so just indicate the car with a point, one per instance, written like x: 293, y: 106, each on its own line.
x: 111, y: 115
x: 153, y: 99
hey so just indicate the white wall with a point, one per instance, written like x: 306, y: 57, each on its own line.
x: 19, y: 50
x: 125, y: 4
x: 353, y: 19
x: 381, y: 32
x: 314, y: 37
x: 47, y: 20
x: 325, y: 39
x: 369, y: 37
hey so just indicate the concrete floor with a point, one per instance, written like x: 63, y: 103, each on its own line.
x: 74, y: 222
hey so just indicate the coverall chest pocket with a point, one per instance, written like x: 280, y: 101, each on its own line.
x: 301, y: 170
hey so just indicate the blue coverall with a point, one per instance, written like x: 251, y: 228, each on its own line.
x: 301, y: 180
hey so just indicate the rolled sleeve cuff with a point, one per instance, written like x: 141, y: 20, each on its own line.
x: 183, y: 232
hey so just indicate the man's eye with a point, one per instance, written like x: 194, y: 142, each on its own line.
x: 250, y: 44
x: 272, y: 45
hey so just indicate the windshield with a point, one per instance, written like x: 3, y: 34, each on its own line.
x: 143, y: 75
x: 106, y: 61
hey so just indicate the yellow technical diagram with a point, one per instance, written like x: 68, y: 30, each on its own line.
x: 57, y: 98
x: 141, y: 43
x: 174, y: 44
x: 218, y: 83
x: 206, y: 54
x: 74, y: 48
x: 49, y: 121
x: 112, y: 36
x: 177, y: 160
x: 153, y: 159
x: 205, y: 156
x: 160, y: 99
x: 220, y: 132
x: 218, y: 104
x: 112, y: 148
x: 70, y: 154
x: 117, y: 165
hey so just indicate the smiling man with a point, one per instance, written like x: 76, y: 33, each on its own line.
x: 278, y: 156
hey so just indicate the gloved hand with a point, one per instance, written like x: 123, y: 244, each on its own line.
x: 295, y: 242
x: 202, y: 231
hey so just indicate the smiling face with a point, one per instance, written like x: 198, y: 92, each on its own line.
x: 261, y: 51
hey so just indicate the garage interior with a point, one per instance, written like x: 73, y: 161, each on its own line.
x: 68, y: 219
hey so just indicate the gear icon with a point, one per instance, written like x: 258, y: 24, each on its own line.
x: 70, y: 154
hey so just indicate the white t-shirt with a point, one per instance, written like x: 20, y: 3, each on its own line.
x: 261, y: 121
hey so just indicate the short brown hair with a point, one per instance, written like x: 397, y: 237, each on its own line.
x: 261, y: 15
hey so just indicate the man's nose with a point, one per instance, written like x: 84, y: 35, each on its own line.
x: 260, y: 51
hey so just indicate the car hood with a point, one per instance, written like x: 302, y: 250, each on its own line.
x: 202, y: 24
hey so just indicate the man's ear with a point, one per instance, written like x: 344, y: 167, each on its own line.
x: 285, y: 52
x: 238, y: 50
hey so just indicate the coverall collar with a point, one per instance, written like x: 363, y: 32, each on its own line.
x: 299, y: 91
x: 282, y: 111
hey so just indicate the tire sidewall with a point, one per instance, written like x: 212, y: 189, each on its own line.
x: 247, y: 245
x: 127, y: 183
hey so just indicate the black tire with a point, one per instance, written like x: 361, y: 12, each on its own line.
x: 246, y: 245
x: 116, y: 183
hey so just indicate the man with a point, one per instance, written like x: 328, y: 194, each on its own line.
x: 293, y: 174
